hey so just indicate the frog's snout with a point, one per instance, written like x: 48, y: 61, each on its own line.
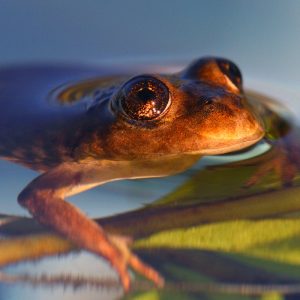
x: 249, y: 126
x: 230, y: 125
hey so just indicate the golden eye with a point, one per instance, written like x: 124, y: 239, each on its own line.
x: 231, y: 70
x: 144, y: 98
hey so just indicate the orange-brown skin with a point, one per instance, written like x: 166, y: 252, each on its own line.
x: 80, y: 135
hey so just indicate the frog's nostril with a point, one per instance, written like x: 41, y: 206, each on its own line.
x: 204, y: 100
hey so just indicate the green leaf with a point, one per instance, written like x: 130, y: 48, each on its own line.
x: 275, y: 239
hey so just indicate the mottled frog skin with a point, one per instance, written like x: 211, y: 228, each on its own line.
x: 81, y: 127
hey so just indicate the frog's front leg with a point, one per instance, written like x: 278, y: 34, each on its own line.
x: 44, y: 198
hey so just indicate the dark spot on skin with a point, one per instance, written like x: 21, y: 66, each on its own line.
x: 237, y: 101
x: 205, y: 100
x: 224, y: 108
x: 77, y: 178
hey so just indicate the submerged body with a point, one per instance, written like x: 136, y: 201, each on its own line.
x: 81, y: 130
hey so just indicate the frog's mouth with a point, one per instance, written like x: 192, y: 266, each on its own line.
x: 239, y: 145
x: 223, y: 145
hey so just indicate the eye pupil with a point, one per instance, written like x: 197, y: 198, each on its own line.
x: 146, y: 94
x: 144, y: 98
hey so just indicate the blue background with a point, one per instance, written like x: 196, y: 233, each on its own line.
x: 263, y: 37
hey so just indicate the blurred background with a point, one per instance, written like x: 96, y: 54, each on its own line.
x: 263, y: 37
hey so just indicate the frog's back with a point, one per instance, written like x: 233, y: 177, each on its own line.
x: 34, y: 130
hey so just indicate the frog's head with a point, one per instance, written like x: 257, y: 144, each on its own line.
x: 201, y: 110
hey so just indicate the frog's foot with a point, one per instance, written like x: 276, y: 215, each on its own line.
x: 45, y: 196
x: 284, y: 162
x: 122, y: 244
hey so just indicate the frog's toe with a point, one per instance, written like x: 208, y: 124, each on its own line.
x: 147, y: 271
x: 260, y: 173
x: 288, y: 173
x: 120, y: 240
x: 129, y: 259
x: 125, y: 279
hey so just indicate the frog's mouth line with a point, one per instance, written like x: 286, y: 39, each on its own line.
x: 234, y: 146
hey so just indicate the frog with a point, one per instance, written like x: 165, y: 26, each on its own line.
x: 80, y: 129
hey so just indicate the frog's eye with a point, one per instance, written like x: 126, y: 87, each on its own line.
x: 144, y: 98
x: 217, y: 71
x: 231, y: 70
